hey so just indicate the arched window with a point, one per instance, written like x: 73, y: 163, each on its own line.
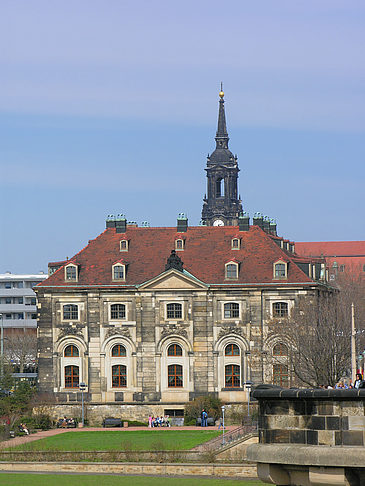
x: 119, y: 376
x: 71, y: 351
x: 179, y: 244
x: 232, y: 350
x: 175, y: 376
x: 280, y: 375
x: 72, y: 376
x: 219, y: 187
x: 280, y: 349
x: 235, y: 244
x: 231, y: 310
x: 280, y: 309
x: 232, y: 376
x: 174, y: 311
x: 70, y: 312
x: 117, y: 311
x: 124, y: 245
x: 231, y: 270
x: 174, y: 350
x: 119, y: 351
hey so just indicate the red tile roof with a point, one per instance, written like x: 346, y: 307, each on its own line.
x: 207, y: 249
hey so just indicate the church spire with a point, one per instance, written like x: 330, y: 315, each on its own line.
x: 221, y: 137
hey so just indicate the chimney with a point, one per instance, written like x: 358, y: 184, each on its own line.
x: 244, y: 221
x: 258, y: 220
x: 266, y: 224
x: 273, y: 227
x: 120, y: 223
x: 110, y: 221
x: 182, y: 223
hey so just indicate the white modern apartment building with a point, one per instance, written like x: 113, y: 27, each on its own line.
x: 18, y: 306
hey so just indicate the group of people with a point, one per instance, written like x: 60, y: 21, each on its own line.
x: 24, y: 429
x: 342, y: 385
x: 67, y: 422
x: 162, y: 421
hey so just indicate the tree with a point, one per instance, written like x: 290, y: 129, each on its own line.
x: 21, y: 349
x: 318, y: 333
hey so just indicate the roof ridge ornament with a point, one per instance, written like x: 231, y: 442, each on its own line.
x: 175, y: 262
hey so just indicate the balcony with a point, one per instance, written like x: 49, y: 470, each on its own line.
x: 19, y: 323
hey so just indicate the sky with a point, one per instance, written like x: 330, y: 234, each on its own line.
x: 111, y: 107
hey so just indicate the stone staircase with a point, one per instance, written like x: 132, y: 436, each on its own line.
x: 230, y: 438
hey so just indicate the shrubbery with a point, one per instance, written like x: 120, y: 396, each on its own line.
x: 194, y: 408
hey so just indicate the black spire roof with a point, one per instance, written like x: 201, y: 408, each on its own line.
x: 221, y: 154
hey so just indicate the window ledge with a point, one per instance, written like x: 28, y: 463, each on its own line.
x: 233, y: 389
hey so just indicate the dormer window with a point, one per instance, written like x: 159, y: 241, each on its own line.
x: 231, y: 270
x: 124, y: 245
x: 236, y: 244
x: 179, y: 244
x: 71, y: 274
x: 280, y: 269
x: 118, y: 271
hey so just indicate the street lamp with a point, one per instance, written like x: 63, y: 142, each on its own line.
x: 82, y: 387
x: 223, y: 410
x: 248, y: 386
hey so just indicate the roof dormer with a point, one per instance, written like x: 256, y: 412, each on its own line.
x: 71, y: 272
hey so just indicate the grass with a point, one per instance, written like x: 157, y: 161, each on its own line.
x: 120, y: 440
x: 15, y: 479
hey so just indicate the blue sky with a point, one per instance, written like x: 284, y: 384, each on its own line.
x: 111, y: 106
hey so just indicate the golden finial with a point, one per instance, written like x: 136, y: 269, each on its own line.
x: 221, y: 93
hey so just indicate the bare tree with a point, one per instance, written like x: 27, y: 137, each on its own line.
x: 21, y: 349
x: 318, y: 333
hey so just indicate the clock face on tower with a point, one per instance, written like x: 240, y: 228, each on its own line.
x: 218, y: 222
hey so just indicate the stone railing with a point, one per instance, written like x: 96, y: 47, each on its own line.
x: 308, y: 436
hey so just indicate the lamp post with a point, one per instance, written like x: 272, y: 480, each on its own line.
x: 223, y: 410
x: 248, y: 386
x: 82, y: 387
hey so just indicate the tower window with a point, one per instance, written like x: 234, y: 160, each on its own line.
x: 280, y: 349
x: 219, y: 187
x: 280, y: 375
x: 232, y: 376
x: 232, y: 350
x: 72, y: 376
x: 119, y: 351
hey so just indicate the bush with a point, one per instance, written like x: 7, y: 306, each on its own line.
x: 194, y: 408
x: 135, y: 423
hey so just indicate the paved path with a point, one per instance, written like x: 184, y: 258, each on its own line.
x: 48, y: 433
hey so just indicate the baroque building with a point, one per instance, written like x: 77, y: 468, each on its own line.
x: 150, y: 318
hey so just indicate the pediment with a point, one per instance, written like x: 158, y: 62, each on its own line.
x: 173, y: 280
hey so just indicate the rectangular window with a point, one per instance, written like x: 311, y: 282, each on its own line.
x: 8, y: 300
x: 70, y: 312
x: 20, y: 315
x: 118, y: 272
x: 20, y: 300
x: 280, y: 270
x: 8, y: 285
x: 232, y: 270
x: 71, y: 273
x: 231, y: 310
x: 174, y: 311
x: 7, y: 316
x: 33, y: 301
x: 280, y: 309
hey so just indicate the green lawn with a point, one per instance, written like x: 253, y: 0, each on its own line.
x: 15, y: 479
x: 121, y: 440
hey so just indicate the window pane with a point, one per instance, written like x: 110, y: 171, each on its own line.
x: 174, y: 311
x: 71, y: 351
x: 280, y: 270
x: 70, y: 311
x: 119, y: 350
x: 232, y: 376
x: 174, y: 350
x: 231, y: 310
x: 280, y: 309
x: 231, y: 271
x: 119, y: 376
x: 175, y: 376
x: 117, y: 311
x: 71, y: 376
x: 118, y: 272
x: 232, y: 350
